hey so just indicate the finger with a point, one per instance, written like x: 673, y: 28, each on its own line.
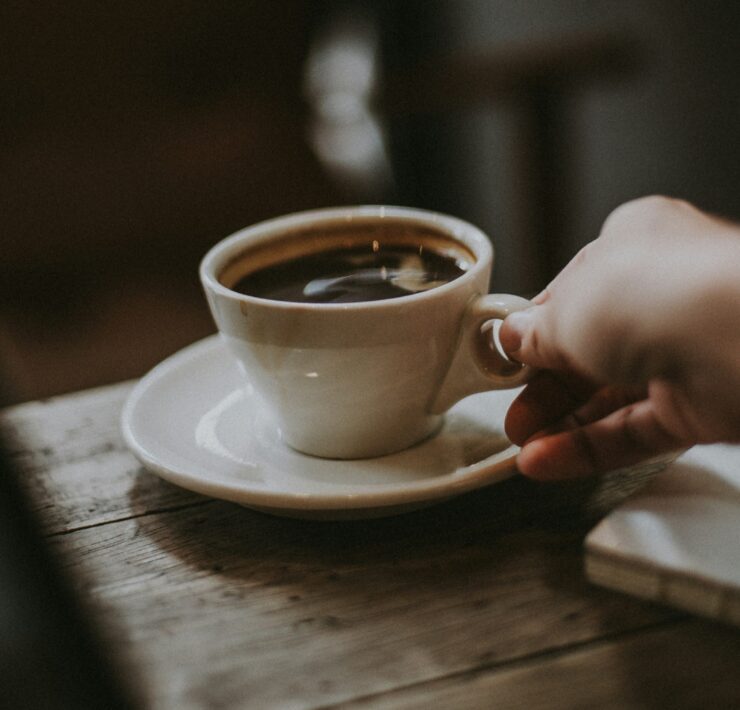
x: 625, y: 437
x: 525, y: 337
x: 547, y: 398
x: 599, y: 405
x: 530, y: 336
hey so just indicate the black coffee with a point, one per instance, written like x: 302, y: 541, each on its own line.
x: 360, y: 273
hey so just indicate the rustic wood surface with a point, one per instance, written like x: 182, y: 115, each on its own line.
x: 478, y: 602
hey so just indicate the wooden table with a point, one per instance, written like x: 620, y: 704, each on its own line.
x: 478, y: 602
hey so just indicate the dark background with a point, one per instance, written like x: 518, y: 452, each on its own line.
x: 135, y: 135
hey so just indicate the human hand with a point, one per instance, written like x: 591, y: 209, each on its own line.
x: 638, y: 343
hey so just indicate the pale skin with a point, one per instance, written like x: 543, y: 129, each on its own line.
x: 636, y: 342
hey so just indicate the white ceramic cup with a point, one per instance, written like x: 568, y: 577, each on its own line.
x: 355, y: 380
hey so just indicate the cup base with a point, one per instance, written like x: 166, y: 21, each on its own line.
x: 363, y: 449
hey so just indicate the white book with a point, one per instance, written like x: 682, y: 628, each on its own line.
x: 677, y: 541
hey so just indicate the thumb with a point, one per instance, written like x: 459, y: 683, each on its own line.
x: 524, y: 337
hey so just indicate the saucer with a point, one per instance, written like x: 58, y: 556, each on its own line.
x: 196, y: 422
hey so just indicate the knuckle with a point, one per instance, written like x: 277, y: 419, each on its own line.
x: 642, y: 433
x: 644, y: 213
x: 635, y: 437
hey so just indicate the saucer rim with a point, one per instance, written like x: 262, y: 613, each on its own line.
x: 492, y: 469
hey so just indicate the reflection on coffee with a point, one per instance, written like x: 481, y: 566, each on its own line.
x: 359, y: 273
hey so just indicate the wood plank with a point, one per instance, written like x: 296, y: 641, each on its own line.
x: 218, y: 606
x: 687, y: 665
x: 75, y: 466
x: 79, y: 473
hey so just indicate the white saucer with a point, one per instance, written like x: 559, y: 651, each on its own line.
x: 193, y: 422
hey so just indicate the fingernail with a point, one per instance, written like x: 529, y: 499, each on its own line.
x: 513, y: 330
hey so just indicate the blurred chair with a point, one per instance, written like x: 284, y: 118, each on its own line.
x: 539, y: 83
x: 386, y: 100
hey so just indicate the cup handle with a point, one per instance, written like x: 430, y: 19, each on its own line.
x: 477, y: 365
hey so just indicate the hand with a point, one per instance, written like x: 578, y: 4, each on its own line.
x: 638, y: 343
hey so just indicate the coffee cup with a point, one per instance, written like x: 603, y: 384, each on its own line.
x: 358, y: 327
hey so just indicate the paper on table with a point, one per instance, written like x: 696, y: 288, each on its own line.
x: 678, y: 540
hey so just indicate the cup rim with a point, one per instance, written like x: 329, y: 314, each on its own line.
x: 219, y: 255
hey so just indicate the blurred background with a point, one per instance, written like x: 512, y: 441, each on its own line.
x: 135, y: 135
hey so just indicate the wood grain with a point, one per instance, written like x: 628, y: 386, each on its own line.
x: 215, y: 606
x: 688, y: 665
x: 77, y: 470
x: 222, y: 604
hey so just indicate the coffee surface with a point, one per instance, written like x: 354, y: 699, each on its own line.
x: 355, y: 274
